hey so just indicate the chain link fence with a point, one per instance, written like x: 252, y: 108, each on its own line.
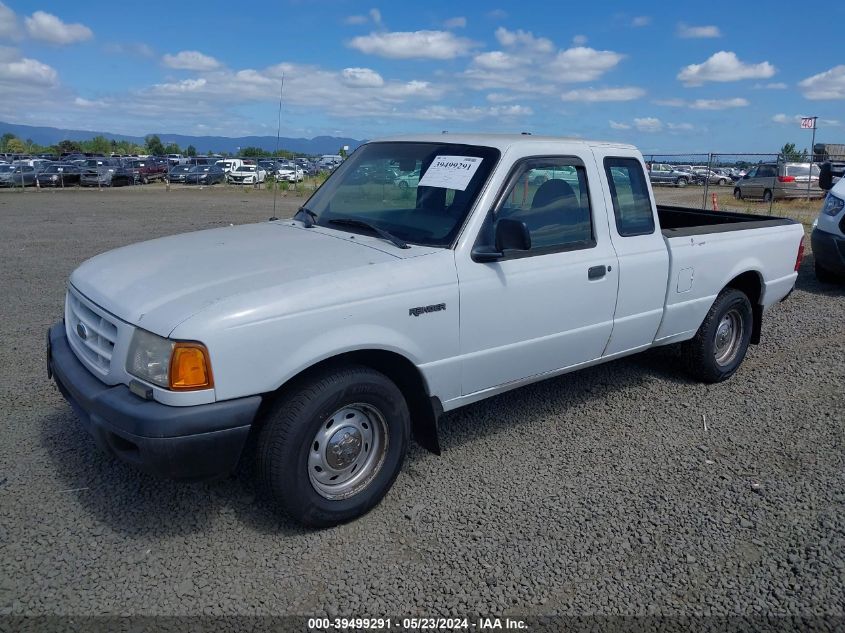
x: 764, y: 184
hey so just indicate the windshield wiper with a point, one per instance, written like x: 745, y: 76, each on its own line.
x: 366, y: 225
x: 308, y: 217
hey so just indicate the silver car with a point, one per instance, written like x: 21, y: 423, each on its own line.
x: 779, y: 181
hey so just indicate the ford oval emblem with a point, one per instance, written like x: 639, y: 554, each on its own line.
x: 82, y: 331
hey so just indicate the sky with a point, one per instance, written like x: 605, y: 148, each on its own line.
x: 722, y: 77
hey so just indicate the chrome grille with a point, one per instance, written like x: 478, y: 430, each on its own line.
x: 92, y: 335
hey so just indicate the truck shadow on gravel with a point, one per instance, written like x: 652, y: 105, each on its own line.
x: 808, y: 282
x: 136, y: 504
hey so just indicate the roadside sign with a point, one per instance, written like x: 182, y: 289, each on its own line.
x: 808, y: 123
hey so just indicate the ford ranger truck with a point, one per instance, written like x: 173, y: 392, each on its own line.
x: 316, y: 346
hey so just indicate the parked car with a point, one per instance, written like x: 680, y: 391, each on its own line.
x: 148, y: 170
x: 59, y: 175
x: 246, y: 175
x: 711, y: 176
x: 106, y: 176
x: 828, y: 236
x: 407, y: 180
x: 204, y: 175
x: 778, y: 181
x: 290, y: 173
x: 17, y: 175
x: 228, y: 164
x: 177, y: 173
x: 663, y: 174
x: 332, y: 338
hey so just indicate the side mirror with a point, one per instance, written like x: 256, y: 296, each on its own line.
x: 825, y: 176
x: 511, y: 235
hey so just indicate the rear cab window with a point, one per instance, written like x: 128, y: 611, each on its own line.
x: 630, y: 196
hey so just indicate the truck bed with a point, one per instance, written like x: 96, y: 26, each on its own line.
x: 681, y: 221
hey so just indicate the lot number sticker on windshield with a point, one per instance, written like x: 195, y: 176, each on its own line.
x: 450, y: 172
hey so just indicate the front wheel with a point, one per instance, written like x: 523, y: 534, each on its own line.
x: 719, y: 346
x: 767, y: 195
x: 332, y: 446
x: 737, y: 193
x: 723, y: 182
x: 681, y: 182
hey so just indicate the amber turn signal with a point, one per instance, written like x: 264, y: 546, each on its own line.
x: 190, y: 367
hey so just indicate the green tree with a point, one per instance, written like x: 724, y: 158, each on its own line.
x: 190, y: 151
x: 15, y: 145
x: 154, y: 145
x: 172, y: 148
x: 791, y: 154
x: 4, y: 140
x: 99, y: 145
x: 68, y: 146
x: 254, y: 152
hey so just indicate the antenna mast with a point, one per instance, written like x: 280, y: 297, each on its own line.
x: 278, y: 134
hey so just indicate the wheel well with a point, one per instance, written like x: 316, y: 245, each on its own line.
x: 425, y: 410
x: 751, y: 284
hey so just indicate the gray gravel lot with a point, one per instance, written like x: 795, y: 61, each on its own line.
x: 599, y: 492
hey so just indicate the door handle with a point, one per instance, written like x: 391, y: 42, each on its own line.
x: 596, y: 272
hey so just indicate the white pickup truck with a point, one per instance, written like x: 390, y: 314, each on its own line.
x: 330, y: 338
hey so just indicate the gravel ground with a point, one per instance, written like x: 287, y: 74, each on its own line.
x: 600, y: 492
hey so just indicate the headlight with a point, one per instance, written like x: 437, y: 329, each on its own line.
x: 177, y: 365
x: 832, y: 205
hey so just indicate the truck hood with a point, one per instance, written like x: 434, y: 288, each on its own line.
x: 158, y: 284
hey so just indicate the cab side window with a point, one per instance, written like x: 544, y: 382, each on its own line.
x: 550, y: 196
x: 629, y: 193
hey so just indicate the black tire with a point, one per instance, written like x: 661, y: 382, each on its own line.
x: 827, y: 277
x: 145, y: 180
x: 723, y: 182
x: 403, y: 184
x: 737, y: 193
x: 681, y: 182
x: 287, y: 440
x: 767, y: 195
x: 701, y: 353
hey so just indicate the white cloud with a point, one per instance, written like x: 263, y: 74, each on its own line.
x: 680, y: 127
x: 693, y: 32
x: 49, y: 28
x: 704, y: 104
x: 499, y: 97
x: 628, y: 93
x: 458, y: 22
x: 27, y: 71
x: 523, y: 40
x: 724, y: 66
x: 718, y: 104
x: 496, y: 60
x: 648, y: 124
x: 375, y: 16
x: 138, y: 49
x: 356, y: 19
x: 413, y: 44
x: 190, y: 60
x: 583, y: 64
x: 641, y: 20
x: 475, y: 113
x: 619, y: 126
x: 89, y: 103
x: 773, y: 85
x: 829, y: 84
x: 497, y: 14
x: 579, y: 40
x: 364, y: 77
x: 10, y: 29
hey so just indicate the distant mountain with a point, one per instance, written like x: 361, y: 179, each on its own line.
x: 204, y: 144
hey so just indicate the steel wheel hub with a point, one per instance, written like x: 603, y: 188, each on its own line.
x: 728, y: 337
x: 347, y: 451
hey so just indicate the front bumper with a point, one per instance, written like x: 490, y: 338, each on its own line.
x: 196, y: 442
x: 829, y: 251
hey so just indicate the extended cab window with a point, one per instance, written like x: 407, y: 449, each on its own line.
x: 550, y: 196
x: 629, y: 193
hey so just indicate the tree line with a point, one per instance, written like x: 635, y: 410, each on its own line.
x: 153, y: 145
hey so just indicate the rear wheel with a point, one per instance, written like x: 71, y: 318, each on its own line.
x: 681, y: 182
x: 332, y: 447
x: 767, y: 195
x: 723, y: 182
x: 720, y: 344
x: 737, y: 193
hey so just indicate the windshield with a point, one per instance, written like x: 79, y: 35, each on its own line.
x: 5, y: 169
x: 198, y: 169
x: 419, y: 192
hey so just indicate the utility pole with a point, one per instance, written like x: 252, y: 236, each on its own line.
x: 809, y: 123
